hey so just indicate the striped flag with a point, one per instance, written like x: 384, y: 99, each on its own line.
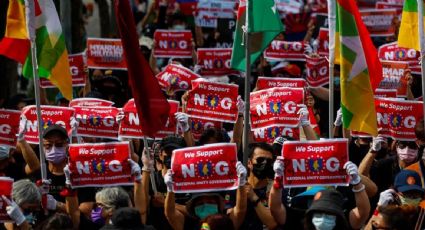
x: 361, y: 70
x: 408, y: 35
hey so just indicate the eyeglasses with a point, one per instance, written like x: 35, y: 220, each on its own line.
x: 261, y: 160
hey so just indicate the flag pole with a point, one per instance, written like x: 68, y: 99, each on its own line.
x: 30, y: 20
x: 332, y: 24
x: 247, y: 89
x: 422, y: 46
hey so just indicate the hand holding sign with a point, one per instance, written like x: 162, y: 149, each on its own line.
x: 352, y: 172
x: 241, y: 171
x: 168, y: 180
x: 14, y: 211
x: 304, y: 115
x: 135, y: 171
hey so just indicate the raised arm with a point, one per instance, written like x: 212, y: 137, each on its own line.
x: 174, y: 216
x: 31, y: 159
x: 237, y: 214
x: 277, y: 208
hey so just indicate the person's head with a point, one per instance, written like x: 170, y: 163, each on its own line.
x: 260, y: 160
x: 310, y: 101
x: 178, y: 22
x: 409, y: 189
x: 420, y: 136
x: 55, y: 143
x: 203, y: 205
x: 18, y: 102
x: 407, y: 151
x: 126, y: 218
x: 107, y: 201
x: 395, y: 217
x: 166, y: 147
x: 60, y: 100
x: 213, y: 135
x: 57, y: 221
x: 217, y: 222
x: 28, y: 197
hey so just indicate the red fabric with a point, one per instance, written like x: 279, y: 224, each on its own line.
x: 373, y: 63
x: 16, y: 49
x: 152, y: 106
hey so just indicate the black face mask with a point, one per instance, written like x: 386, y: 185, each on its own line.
x: 363, y: 148
x: 263, y: 168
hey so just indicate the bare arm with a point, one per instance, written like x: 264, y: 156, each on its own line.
x: 370, y: 186
x: 320, y: 92
x: 174, y: 217
x: 31, y: 159
x: 237, y: 214
x: 277, y: 208
x: 366, y: 164
x: 358, y: 216
x: 262, y: 212
x: 71, y: 204
x: 309, y: 133
x: 238, y: 132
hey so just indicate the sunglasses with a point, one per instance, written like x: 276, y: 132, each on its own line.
x: 261, y: 160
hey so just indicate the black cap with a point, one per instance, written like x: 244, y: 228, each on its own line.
x: 126, y: 218
x: 172, y: 143
x: 55, y: 129
x: 328, y: 201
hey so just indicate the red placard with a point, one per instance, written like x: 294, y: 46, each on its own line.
x: 50, y: 115
x: 77, y: 68
x: 9, y: 127
x: 176, y: 78
x: 268, y: 135
x: 198, y: 126
x: 379, y: 23
x: 130, y: 125
x: 317, y: 71
x: 397, y: 118
x: 89, y: 102
x: 215, y: 61
x: 105, y: 53
x: 275, y: 107
x: 213, y: 101
x: 312, y: 163
x: 391, y: 52
x: 393, y: 77
x: 97, y: 122
x: 360, y: 134
x: 284, y: 50
x: 6, y: 184
x: 388, y: 93
x: 386, y: 5
x: 270, y: 82
x: 323, y: 38
x: 100, y: 165
x: 173, y: 43
x: 205, y: 169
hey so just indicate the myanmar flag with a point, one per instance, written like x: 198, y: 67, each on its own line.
x: 264, y: 26
x: 52, y: 55
x: 408, y: 35
x: 361, y: 70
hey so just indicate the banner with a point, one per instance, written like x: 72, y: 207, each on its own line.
x: 386, y: 93
x: 9, y: 127
x: 284, y: 50
x: 289, y: 7
x: 215, y: 61
x: 386, y: 5
x: 6, y: 185
x: 391, y: 52
x: 97, y: 122
x: 198, y: 126
x: 216, y: 9
x: 317, y: 71
x: 76, y: 66
x: 130, y: 126
x: 397, y: 118
x: 89, y: 102
x: 206, y: 22
x: 50, y: 115
x: 173, y: 44
x: 100, y: 165
x: 205, y: 169
x: 393, y: 77
x: 323, y: 46
x: 213, y: 101
x: 313, y: 163
x: 105, y: 53
x: 268, y: 135
x: 175, y: 78
x: 379, y: 22
x: 271, y: 82
x: 275, y: 107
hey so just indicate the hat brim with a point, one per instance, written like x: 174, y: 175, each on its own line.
x: 54, y: 128
x: 408, y: 188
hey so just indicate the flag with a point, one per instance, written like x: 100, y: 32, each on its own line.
x: 52, y: 56
x: 361, y: 70
x: 15, y: 43
x: 264, y: 26
x: 408, y: 35
x: 151, y: 104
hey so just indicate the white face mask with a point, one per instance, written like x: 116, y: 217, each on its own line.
x: 407, y: 154
x: 323, y: 221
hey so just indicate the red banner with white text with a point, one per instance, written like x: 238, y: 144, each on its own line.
x: 97, y: 122
x: 268, y: 135
x: 198, y: 126
x: 323, y: 46
x: 271, y: 82
x: 173, y: 44
x: 215, y: 61
x: 284, y: 50
x: 77, y: 67
x: 89, y: 102
x: 105, y: 53
x: 379, y: 22
x: 175, y: 78
x: 6, y: 184
x: 9, y: 127
x: 317, y: 71
x: 391, y: 52
x: 393, y: 77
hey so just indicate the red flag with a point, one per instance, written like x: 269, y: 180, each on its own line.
x: 151, y: 104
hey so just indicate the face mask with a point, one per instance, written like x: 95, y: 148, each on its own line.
x: 56, y: 155
x: 205, y: 210
x: 96, y: 216
x: 179, y: 27
x: 407, y: 154
x: 263, y: 170
x: 323, y: 221
x: 364, y: 148
x: 410, y: 201
x: 4, y: 152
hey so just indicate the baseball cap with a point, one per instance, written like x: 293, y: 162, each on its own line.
x: 408, y: 180
x: 172, y: 142
x: 55, y: 128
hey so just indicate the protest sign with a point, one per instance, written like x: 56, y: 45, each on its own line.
x: 397, y: 118
x: 317, y: 71
x: 130, y: 126
x: 360, y: 134
x: 205, y: 169
x: 97, y: 122
x: 269, y: 134
x: 6, y: 184
x: 388, y: 5
x: 9, y: 127
x: 175, y: 78
x: 312, y: 163
x: 205, y: 22
x: 100, y: 165
x: 215, y: 61
x: 227, y: 27
x: 391, y: 52
x: 289, y: 7
x: 270, y: 82
x: 379, y: 22
x: 198, y: 126
x: 388, y: 93
x: 89, y: 102
x: 105, y: 53
x: 213, y: 101
x: 216, y: 9
x: 173, y: 43
x: 50, y: 115
x: 323, y: 45
x: 284, y: 50
x: 393, y: 77
x: 77, y: 68
x: 275, y: 107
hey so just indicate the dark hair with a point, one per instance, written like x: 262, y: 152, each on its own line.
x: 219, y: 222
x: 261, y: 145
x: 217, y: 134
x: 55, y: 222
x: 399, y: 217
x: 419, y: 129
